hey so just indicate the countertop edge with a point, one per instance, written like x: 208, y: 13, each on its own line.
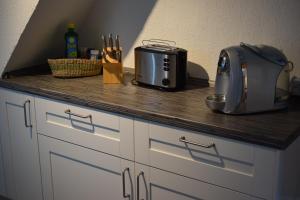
x: 157, y: 118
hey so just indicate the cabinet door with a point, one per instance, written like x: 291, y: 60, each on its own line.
x: 19, y: 131
x: 5, y: 147
x: 2, y: 180
x: 155, y: 184
x: 72, y: 172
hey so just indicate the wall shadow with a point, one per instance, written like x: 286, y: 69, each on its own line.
x: 197, y: 71
x: 43, y: 36
x: 197, y: 77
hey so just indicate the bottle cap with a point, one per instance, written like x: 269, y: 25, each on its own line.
x: 71, y: 25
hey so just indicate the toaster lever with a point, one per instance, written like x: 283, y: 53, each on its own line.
x: 159, y: 44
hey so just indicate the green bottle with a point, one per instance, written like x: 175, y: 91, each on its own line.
x: 71, y: 40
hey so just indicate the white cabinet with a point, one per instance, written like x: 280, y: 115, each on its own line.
x: 155, y: 184
x: 2, y: 178
x: 72, y: 172
x: 84, y: 153
x: 74, y: 152
x: 223, y: 162
x: 20, y: 150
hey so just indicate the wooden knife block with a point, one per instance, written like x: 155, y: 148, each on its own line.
x: 112, y: 70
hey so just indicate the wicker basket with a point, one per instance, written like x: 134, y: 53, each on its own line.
x: 71, y: 68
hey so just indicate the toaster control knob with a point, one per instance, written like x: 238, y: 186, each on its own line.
x: 166, y: 69
x: 165, y: 82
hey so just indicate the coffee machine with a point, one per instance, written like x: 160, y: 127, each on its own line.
x: 250, y: 79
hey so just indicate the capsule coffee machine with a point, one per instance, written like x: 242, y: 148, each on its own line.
x: 250, y: 79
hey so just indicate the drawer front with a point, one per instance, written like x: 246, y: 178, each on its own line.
x: 98, y: 130
x: 155, y: 184
x: 239, y: 166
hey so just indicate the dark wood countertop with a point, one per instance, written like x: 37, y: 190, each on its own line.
x: 184, y: 109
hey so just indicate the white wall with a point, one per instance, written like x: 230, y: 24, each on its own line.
x: 203, y: 27
x: 14, y: 15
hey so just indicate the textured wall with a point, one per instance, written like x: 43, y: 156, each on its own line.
x: 203, y: 27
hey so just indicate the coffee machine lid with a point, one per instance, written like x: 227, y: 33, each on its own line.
x: 268, y: 53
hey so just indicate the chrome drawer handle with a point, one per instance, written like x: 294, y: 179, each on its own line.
x: 183, y: 139
x: 25, y: 114
x: 123, y: 183
x: 68, y: 111
x: 138, y: 185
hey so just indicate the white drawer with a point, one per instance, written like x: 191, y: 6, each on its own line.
x: 98, y: 130
x: 232, y: 164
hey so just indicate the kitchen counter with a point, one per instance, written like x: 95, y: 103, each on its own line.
x: 184, y: 109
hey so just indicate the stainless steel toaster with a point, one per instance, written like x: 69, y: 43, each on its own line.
x: 159, y: 64
x: 251, y: 79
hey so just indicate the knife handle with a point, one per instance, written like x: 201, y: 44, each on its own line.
x: 110, y: 42
x: 104, y: 43
x: 117, y: 42
x: 119, y: 56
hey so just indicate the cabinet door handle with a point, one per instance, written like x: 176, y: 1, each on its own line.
x: 183, y: 139
x: 123, y: 181
x: 138, y: 185
x: 68, y: 111
x: 25, y: 113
